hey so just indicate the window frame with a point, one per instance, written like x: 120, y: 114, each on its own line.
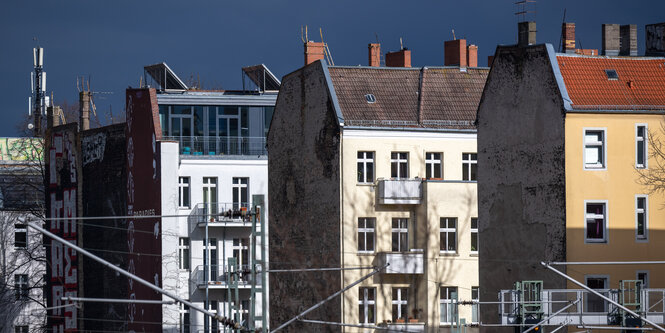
x: 366, y: 303
x: 20, y: 228
x: 401, y: 302
x: 364, y: 230
x: 431, y: 165
x: 238, y: 186
x: 645, y: 211
x: 646, y: 280
x: 399, y: 230
x: 645, y: 149
x: 606, y: 236
x: 447, y: 230
x: 448, y: 300
x: 21, y: 329
x: 586, y: 283
x: 185, y: 319
x: 182, y: 188
x: 398, y: 161
x: 475, y: 307
x: 184, y: 248
x: 364, y: 161
x: 474, y: 232
x: 468, y: 163
x: 21, y: 288
x: 603, y: 148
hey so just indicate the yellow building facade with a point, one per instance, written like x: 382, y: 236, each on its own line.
x: 606, y: 191
x: 440, y: 233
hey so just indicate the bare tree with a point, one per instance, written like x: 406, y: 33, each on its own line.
x: 653, y: 177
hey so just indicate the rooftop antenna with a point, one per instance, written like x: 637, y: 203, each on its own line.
x: 401, y: 46
x: 376, y: 36
x: 454, y: 38
x: 37, y: 102
x: 526, y: 8
x: 326, y: 50
x: 561, y: 37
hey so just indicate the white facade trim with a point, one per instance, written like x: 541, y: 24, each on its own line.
x: 395, y: 134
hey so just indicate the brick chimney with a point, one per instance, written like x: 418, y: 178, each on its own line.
x: 628, y: 40
x: 313, y: 52
x: 611, y: 41
x: 84, y: 109
x: 454, y: 53
x: 526, y: 33
x: 472, y: 56
x: 401, y: 58
x: 374, y: 51
x: 568, y: 33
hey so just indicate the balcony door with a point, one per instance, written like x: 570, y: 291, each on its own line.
x: 228, y: 131
x: 210, y: 197
x: 180, y: 127
x: 212, y: 271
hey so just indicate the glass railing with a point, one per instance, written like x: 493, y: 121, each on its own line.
x: 222, y: 212
x: 212, y: 146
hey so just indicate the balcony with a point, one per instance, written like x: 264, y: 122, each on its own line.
x: 403, y: 327
x: 218, y: 146
x: 222, y: 214
x: 403, y: 262
x: 217, y: 277
x: 400, y: 191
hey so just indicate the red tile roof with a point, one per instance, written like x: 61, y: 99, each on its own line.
x: 640, y: 86
x: 446, y: 97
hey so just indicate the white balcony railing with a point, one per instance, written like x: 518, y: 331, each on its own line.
x: 205, y: 145
x: 403, y: 262
x: 400, y: 191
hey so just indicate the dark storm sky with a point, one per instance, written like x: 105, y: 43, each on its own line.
x: 111, y: 41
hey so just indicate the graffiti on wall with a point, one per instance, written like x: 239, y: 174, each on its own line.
x: 61, y: 201
x: 20, y: 149
x: 92, y: 147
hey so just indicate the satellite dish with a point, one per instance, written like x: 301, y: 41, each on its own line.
x: 31, y: 126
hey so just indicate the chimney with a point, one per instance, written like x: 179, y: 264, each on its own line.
x: 628, y: 40
x: 454, y: 53
x: 490, y: 60
x: 401, y: 58
x: 655, y: 40
x: 374, y: 51
x: 526, y: 33
x: 313, y: 52
x: 472, y: 56
x: 568, y: 33
x: 84, y: 109
x: 611, y: 40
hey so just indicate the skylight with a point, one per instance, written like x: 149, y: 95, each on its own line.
x: 612, y: 74
x: 370, y: 98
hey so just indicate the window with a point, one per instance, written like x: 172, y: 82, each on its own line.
x: 641, y: 218
x: 184, y: 318
x: 370, y: 98
x: 367, y: 305
x: 241, y: 251
x: 183, y: 253
x: 400, y: 303
x: 365, y: 167
x: 611, y: 74
x: 469, y: 166
x: 594, y: 149
x: 596, y: 222
x: 448, y: 234
x: 641, y: 156
x: 399, y: 165
x: 210, y: 196
x: 433, y: 165
x: 21, y: 329
x: 474, y: 235
x: 240, y: 192
x: 400, y: 235
x: 475, y: 306
x: 593, y: 302
x: 214, y: 327
x: 183, y: 192
x: 448, y: 304
x: 21, y: 286
x: 20, y: 236
x: 644, y: 277
x: 366, y: 234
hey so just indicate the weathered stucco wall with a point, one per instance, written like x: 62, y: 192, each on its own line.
x: 521, y: 182
x: 304, y: 186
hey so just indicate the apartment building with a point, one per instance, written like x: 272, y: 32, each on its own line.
x: 372, y: 166
x: 564, y: 146
x: 213, y: 164
x: 21, y: 200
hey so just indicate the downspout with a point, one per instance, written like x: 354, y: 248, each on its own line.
x: 341, y: 220
x: 420, y: 95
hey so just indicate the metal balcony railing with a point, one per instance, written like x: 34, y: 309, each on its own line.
x: 219, y: 213
x: 217, y: 275
x: 212, y: 146
x: 400, y: 191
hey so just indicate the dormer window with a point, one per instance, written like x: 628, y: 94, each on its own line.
x: 370, y: 98
x: 611, y: 74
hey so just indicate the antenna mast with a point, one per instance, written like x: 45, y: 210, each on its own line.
x: 39, y: 99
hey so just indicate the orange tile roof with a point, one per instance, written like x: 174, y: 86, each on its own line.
x: 640, y: 86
